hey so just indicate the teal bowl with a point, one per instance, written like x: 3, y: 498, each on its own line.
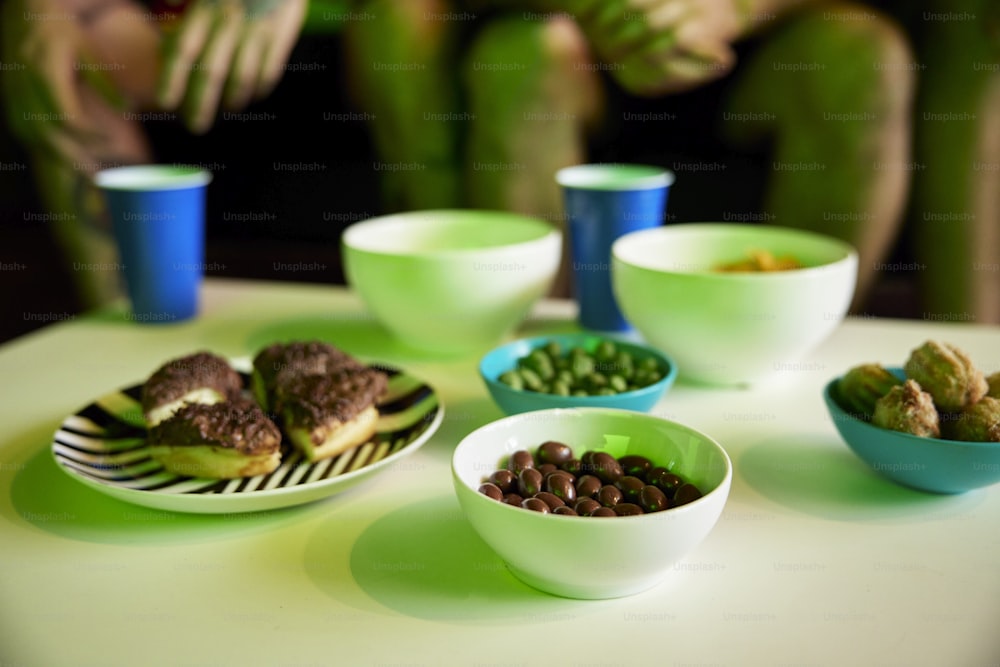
x: 515, y: 401
x: 928, y: 464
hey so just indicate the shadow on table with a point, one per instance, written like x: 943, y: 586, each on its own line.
x: 425, y: 561
x: 823, y: 478
x: 364, y: 336
x: 461, y: 417
x: 46, y: 497
x: 360, y: 335
x: 544, y: 326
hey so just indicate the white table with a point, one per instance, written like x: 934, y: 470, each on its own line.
x: 815, y: 561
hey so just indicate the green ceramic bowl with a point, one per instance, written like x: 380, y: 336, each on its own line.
x: 731, y: 328
x: 451, y: 281
x: 585, y: 557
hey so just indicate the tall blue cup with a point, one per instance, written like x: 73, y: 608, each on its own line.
x: 603, y: 202
x: 158, y: 218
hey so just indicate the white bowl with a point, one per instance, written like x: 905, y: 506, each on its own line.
x: 451, y: 281
x: 731, y: 328
x: 587, y: 557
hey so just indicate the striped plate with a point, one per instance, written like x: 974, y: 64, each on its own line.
x: 104, y: 446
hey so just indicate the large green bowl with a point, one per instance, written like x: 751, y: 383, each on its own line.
x: 584, y: 557
x: 451, y: 281
x: 731, y: 328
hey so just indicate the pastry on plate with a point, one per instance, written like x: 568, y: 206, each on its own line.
x: 224, y: 440
x: 324, y: 415
x: 202, y: 377
x: 277, y: 363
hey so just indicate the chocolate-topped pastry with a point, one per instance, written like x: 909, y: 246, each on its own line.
x: 324, y: 415
x: 283, y: 362
x: 325, y: 398
x: 224, y: 440
x: 202, y: 377
x: 362, y: 384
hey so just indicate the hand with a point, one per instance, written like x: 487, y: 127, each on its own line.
x: 226, y: 52
x: 52, y: 80
x: 659, y: 46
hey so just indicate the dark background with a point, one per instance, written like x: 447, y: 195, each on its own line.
x: 266, y: 222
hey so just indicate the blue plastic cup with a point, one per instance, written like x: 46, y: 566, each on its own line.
x: 158, y: 217
x: 603, y: 202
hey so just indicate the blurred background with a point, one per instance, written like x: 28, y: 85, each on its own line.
x: 293, y: 169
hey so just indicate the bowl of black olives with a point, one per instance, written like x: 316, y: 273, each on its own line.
x: 591, y: 503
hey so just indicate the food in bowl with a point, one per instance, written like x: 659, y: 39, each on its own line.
x: 946, y: 373
x: 937, y: 465
x: 451, y: 282
x: 908, y: 409
x: 993, y: 385
x: 731, y: 328
x: 606, y: 371
x: 864, y: 384
x: 590, y: 558
x: 761, y: 260
x: 978, y: 423
x: 937, y: 393
x: 597, y: 484
x: 515, y: 373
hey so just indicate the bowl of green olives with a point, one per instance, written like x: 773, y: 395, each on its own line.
x: 576, y: 370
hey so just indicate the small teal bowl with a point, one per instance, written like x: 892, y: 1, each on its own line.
x: 928, y: 464
x: 516, y: 401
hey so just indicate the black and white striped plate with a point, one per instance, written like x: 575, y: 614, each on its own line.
x: 103, y: 446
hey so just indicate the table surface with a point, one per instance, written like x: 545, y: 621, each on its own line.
x: 815, y: 561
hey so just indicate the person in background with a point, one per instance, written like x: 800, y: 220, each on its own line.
x: 945, y: 151
x: 954, y: 217
x: 486, y: 99
x: 83, y: 74
x: 478, y: 102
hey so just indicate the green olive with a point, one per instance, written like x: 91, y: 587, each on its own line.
x: 596, y: 381
x: 606, y: 351
x: 560, y: 388
x: 625, y: 365
x: 531, y: 379
x: 649, y: 364
x: 618, y: 383
x: 512, y: 379
x: 582, y: 366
